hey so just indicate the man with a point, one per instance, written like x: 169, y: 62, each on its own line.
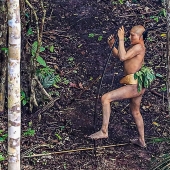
x: 133, y: 59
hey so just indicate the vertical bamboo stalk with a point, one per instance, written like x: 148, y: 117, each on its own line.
x: 14, y: 106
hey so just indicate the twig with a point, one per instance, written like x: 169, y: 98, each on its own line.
x: 158, y: 94
x: 138, y: 14
x: 74, y: 150
x: 42, y: 88
x: 50, y: 104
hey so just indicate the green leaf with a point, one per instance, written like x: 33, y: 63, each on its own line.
x: 159, y: 75
x: 34, y: 48
x: 58, y: 136
x: 42, y: 49
x: 51, y: 48
x: 29, y: 32
x: 41, y: 61
x: 2, y: 158
x: 23, y: 94
x: 100, y: 38
x: 91, y: 35
x: 24, y: 102
x: 48, y: 81
x: 4, y: 49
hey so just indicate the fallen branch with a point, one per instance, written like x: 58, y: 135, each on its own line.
x: 49, y: 105
x: 74, y: 150
x: 158, y: 94
x: 42, y: 88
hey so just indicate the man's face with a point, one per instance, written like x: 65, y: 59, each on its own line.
x: 134, y: 38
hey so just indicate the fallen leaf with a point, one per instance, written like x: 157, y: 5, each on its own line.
x: 155, y: 123
x: 73, y: 85
x: 163, y: 35
x: 81, y: 86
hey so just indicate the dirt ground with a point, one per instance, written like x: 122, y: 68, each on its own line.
x: 78, y: 30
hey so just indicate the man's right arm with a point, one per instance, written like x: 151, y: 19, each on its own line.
x: 115, y: 52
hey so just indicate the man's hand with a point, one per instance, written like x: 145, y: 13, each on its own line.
x: 121, y: 33
x: 111, y: 40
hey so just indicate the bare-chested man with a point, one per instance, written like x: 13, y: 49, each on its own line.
x: 133, y: 59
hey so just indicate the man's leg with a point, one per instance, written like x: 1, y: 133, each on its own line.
x: 135, y: 109
x: 125, y: 92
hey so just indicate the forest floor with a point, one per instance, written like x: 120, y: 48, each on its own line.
x: 75, y: 41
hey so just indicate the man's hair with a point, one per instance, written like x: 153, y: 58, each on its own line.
x: 138, y: 29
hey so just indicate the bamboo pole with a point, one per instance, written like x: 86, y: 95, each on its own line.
x: 14, y: 106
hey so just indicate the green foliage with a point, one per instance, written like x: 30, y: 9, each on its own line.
x: 100, y: 38
x: 51, y: 48
x: 162, y: 13
x: 149, y: 39
x: 58, y: 136
x: 29, y: 32
x: 91, y: 35
x: 156, y: 18
x: 157, y: 140
x: 145, y: 77
x: 2, y: 158
x: 41, y: 61
x: 3, y: 136
x: 5, y: 50
x: 47, y: 77
x: 163, y: 88
x: 29, y: 132
x: 34, y: 48
x: 24, y: 98
x: 158, y: 75
x: 48, y: 81
x: 71, y: 59
x: 65, y: 81
x: 121, y: 1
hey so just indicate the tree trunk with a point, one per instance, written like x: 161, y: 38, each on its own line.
x: 168, y: 51
x: 14, y: 106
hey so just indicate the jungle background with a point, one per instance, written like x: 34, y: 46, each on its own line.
x: 69, y: 67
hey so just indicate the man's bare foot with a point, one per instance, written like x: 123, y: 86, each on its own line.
x: 99, y: 135
x: 138, y: 142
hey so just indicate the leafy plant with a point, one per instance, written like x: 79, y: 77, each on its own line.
x: 39, y: 59
x: 3, y: 137
x: 58, y: 136
x: 5, y: 50
x: 2, y: 158
x: 162, y: 13
x: 51, y: 48
x: 156, y: 18
x: 100, y: 38
x: 91, y: 35
x: 65, y: 81
x: 158, y: 75
x: 71, y: 59
x: 163, y: 88
x: 29, y: 32
x: 121, y: 1
x: 48, y: 81
x: 149, y: 39
x: 29, y: 132
x: 24, y: 98
x: 145, y: 77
